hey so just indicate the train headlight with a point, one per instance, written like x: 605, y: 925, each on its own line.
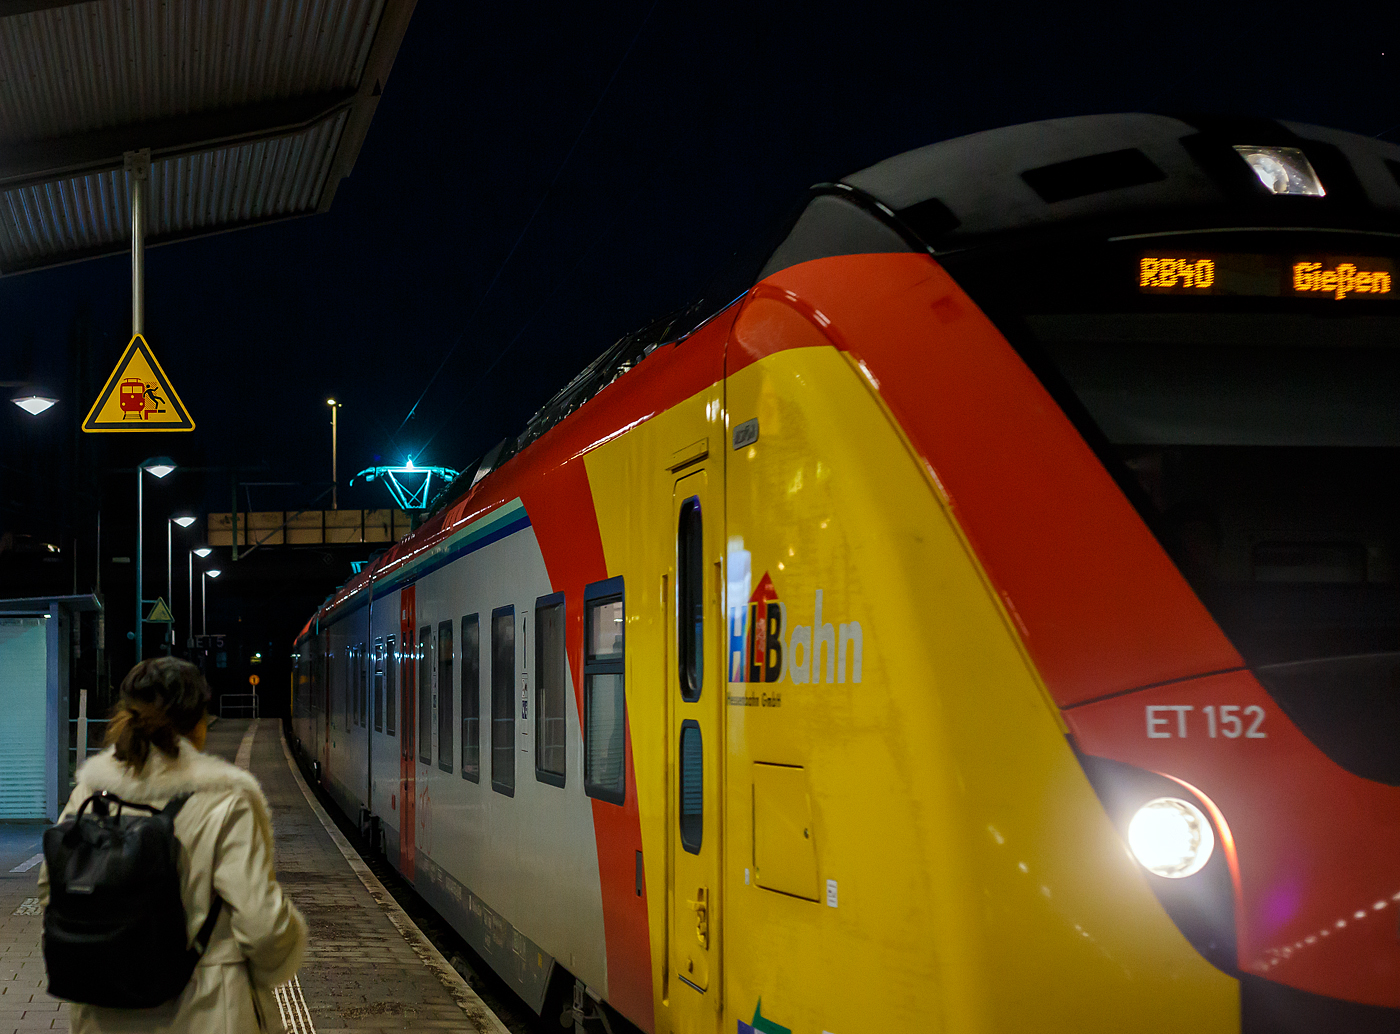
x: 1282, y: 170
x: 1171, y: 838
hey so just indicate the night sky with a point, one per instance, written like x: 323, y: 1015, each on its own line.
x: 540, y: 179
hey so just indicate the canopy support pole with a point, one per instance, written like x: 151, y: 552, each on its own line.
x: 138, y: 172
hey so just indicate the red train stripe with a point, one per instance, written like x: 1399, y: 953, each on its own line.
x: 1099, y: 604
x: 573, y: 554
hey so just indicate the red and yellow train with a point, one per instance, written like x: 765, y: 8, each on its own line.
x: 990, y: 621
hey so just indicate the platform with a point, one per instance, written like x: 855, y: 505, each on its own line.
x: 368, y: 967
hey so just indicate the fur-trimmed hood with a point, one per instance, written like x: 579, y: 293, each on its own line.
x: 163, y: 777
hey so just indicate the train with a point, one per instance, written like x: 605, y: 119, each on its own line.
x: 986, y: 620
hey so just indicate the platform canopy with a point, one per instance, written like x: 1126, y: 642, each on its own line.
x: 252, y: 111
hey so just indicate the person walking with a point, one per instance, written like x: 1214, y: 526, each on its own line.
x: 224, y: 833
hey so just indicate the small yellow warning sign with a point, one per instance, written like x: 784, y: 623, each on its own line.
x: 160, y: 612
x: 138, y: 396
x: 253, y: 680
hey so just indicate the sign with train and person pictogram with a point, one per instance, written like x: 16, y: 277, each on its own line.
x: 138, y: 396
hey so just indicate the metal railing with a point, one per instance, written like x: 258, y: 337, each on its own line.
x: 242, y: 705
x: 96, y: 730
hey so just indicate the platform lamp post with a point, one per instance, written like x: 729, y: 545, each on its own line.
x: 335, y: 467
x: 184, y: 520
x: 201, y: 552
x: 158, y: 467
x: 212, y: 572
x: 33, y: 404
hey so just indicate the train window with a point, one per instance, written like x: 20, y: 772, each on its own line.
x: 503, y: 700
x: 425, y: 695
x: 378, y: 705
x: 391, y: 681
x: 364, y: 686
x: 330, y: 687
x: 347, y: 687
x: 690, y: 604
x: 306, y: 677
x: 604, y: 702
x: 605, y: 630
x: 692, y: 772
x: 471, y: 698
x: 445, y: 693
x: 550, y: 676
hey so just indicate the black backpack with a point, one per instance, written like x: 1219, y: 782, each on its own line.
x: 114, y: 929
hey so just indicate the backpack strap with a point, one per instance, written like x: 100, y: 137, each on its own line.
x: 216, y: 905
x: 102, y: 801
x: 173, y: 806
x: 201, y: 939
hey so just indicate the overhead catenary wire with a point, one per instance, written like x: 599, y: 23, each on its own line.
x: 530, y: 222
x: 661, y: 159
x: 524, y: 327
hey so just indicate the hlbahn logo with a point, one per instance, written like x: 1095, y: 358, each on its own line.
x: 762, y: 650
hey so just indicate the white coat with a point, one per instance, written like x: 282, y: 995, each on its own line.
x: 225, y: 835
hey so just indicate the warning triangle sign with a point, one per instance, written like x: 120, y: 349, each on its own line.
x: 160, y: 612
x: 138, y: 396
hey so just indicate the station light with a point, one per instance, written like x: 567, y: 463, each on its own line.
x: 33, y: 404
x: 202, y: 552
x: 160, y: 466
x: 213, y: 572
x: 184, y: 520
x: 1171, y: 837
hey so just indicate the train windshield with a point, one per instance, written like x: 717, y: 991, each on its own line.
x: 1245, y: 391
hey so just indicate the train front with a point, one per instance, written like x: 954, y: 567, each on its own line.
x: 1163, y: 399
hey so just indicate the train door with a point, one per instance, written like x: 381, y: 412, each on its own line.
x: 695, y: 730
x: 408, y: 711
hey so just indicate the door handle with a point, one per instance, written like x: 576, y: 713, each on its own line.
x: 700, y: 905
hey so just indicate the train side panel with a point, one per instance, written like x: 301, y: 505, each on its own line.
x: 346, y: 775
x: 335, y: 774
x: 303, y: 687
x: 386, y: 667
x: 510, y: 846
x: 544, y: 872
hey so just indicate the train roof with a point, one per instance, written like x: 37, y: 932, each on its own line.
x: 1090, y: 167
x: 1097, y: 172
x: 621, y: 357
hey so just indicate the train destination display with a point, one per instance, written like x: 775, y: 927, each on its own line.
x: 1278, y: 276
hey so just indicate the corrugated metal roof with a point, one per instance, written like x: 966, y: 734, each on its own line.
x: 193, y: 194
x: 252, y: 110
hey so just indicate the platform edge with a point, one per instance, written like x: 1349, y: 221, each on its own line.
x: 477, y: 1011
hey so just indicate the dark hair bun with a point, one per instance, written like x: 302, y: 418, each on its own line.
x: 162, y: 699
